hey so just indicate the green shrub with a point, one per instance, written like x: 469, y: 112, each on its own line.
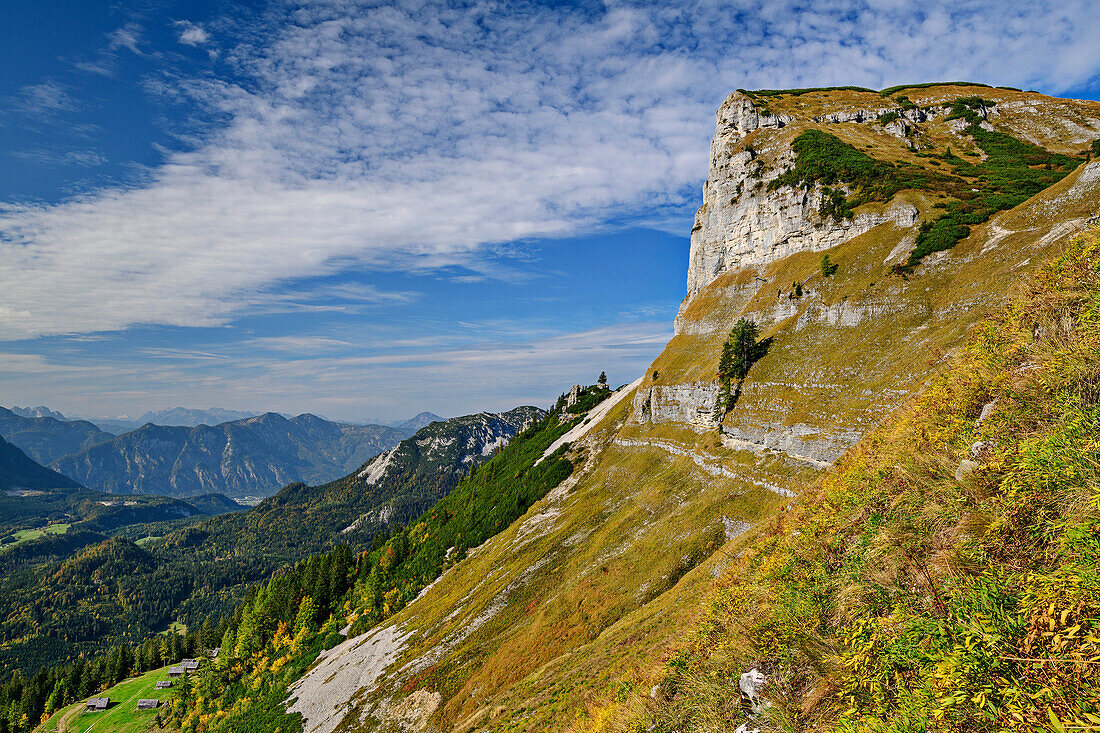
x: 804, y: 90
x: 740, y: 351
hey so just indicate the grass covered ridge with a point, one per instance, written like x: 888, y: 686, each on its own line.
x: 897, y: 597
x: 1012, y: 172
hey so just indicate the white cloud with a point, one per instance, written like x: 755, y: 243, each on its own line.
x: 191, y: 34
x: 414, y: 136
x: 44, y: 100
x: 128, y: 37
x: 343, y: 377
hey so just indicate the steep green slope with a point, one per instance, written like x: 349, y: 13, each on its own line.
x: 946, y: 575
x: 419, y: 471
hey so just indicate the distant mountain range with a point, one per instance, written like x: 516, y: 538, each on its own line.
x: 45, y: 439
x: 40, y: 411
x: 254, y: 456
x: 184, y: 416
x: 191, y: 417
x: 33, y: 495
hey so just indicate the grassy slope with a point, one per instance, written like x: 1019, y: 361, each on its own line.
x: 897, y: 596
x: 123, y: 715
x: 614, y: 573
x: 26, y: 535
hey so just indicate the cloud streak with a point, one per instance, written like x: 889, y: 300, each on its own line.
x: 414, y: 137
x: 270, y: 372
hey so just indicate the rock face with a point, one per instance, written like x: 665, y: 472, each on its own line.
x: 742, y: 224
x: 691, y: 404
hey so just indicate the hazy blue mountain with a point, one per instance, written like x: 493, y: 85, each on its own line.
x: 17, y: 471
x: 255, y: 456
x: 115, y: 426
x: 192, y: 417
x: 45, y: 439
x: 40, y: 411
x: 422, y: 420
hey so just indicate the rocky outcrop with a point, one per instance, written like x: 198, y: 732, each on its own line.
x: 742, y: 224
x: 691, y: 404
x: 739, y: 115
x: 806, y: 443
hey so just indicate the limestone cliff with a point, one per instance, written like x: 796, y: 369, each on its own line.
x: 743, y: 224
x: 747, y: 226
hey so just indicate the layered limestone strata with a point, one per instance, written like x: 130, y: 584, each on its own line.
x: 691, y: 404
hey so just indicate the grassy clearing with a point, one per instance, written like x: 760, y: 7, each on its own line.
x: 26, y: 535
x: 123, y: 715
x: 904, y: 595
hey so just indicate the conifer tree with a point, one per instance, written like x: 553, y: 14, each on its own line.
x: 739, y: 352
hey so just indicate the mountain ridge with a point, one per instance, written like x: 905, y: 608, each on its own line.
x: 603, y: 576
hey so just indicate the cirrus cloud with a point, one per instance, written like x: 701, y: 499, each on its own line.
x: 413, y: 136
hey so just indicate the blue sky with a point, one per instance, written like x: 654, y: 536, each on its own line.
x: 366, y: 209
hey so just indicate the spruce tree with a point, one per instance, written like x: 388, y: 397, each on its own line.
x: 739, y: 351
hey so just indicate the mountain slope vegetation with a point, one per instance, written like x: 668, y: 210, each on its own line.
x: 281, y: 629
x: 946, y: 575
x: 199, y: 568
